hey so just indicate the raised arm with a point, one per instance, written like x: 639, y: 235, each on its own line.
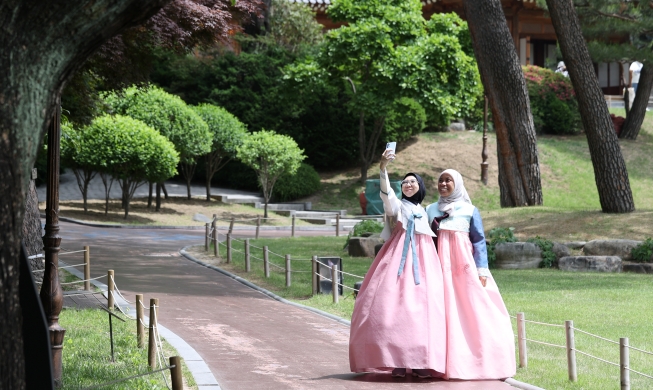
x: 391, y: 204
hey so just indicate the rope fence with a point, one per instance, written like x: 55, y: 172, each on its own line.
x: 570, y: 346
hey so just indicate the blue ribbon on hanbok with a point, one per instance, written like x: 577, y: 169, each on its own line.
x: 410, y: 238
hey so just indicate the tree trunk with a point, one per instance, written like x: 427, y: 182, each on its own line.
x: 32, y: 231
x: 361, y: 147
x: 504, y: 84
x: 635, y: 117
x: 158, y: 197
x: 149, y: 196
x: 610, y: 171
x: 165, y: 192
x: 43, y: 42
x: 188, y: 171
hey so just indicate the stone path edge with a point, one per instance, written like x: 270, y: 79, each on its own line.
x: 512, y: 382
x: 225, y: 227
x: 201, y: 372
x: 270, y: 294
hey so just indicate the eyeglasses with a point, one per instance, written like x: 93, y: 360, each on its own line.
x: 411, y: 182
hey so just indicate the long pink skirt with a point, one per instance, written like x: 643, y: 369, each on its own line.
x: 480, y: 340
x: 395, y: 322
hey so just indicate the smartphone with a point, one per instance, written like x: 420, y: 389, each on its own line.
x: 393, y: 146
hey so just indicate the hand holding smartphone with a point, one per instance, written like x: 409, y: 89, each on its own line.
x: 393, y: 147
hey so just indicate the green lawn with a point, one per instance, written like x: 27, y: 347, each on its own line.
x: 610, y: 305
x: 87, y: 353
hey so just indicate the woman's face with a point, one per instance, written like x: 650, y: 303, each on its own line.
x: 446, y: 185
x: 409, y: 186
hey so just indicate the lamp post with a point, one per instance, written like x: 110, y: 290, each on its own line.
x: 51, y: 294
x: 484, y: 164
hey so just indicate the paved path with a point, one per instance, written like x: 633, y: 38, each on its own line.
x: 248, y: 340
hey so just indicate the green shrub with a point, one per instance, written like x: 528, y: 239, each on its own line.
x: 304, y: 182
x: 406, y: 119
x: 368, y: 226
x: 497, y: 236
x: 643, y: 253
x: 546, y: 246
x: 553, y: 101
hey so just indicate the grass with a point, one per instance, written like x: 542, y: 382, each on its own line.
x: 87, y: 353
x: 609, y: 305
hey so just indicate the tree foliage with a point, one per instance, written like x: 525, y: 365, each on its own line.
x: 228, y: 133
x: 270, y: 155
x: 387, y: 50
x: 128, y: 150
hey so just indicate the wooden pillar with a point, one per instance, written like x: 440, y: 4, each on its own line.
x: 516, y: 27
x: 51, y: 294
x: 528, y: 51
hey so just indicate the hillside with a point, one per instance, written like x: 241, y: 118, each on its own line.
x: 571, y: 208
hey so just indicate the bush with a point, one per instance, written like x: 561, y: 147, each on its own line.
x: 368, y: 226
x: 546, y: 246
x: 497, y: 236
x: 643, y: 253
x: 406, y: 119
x: 304, y: 182
x: 553, y: 101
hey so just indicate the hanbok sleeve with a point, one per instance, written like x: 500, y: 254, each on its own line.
x: 391, y: 205
x: 477, y: 237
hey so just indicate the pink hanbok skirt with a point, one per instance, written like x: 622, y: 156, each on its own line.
x: 480, y: 340
x: 395, y: 322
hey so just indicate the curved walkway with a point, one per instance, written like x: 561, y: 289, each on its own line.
x: 248, y: 340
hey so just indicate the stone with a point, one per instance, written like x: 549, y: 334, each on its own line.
x: 620, y: 248
x: 457, y: 126
x: 575, y: 244
x: 377, y: 249
x: 201, y: 218
x: 560, y: 250
x: 518, y: 255
x: 590, y: 263
x: 357, y: 287
x: 363, y: 246
x: 640, y: 268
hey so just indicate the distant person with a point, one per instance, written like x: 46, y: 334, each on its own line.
x: 562, y: 69
x: 398, y: 320
x: 634, y: 72
x: 480, y: 340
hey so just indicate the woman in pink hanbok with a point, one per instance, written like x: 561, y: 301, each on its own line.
x: 480, y: 341
x: 398, y: 319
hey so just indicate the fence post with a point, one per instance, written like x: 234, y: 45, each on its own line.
x: 87, y: 268
x: 338, y: 225
x: 287, y: 270
x: 206, y: 236
x: 247, y: 262
x: 521, y: 340
x: 571, y: 351
x: 258, y: 225
x: 151, y: 342
x: 624, y: 363
x: 292, y: 229
x: 231, y: 225
x: 313, y: 274
x: 228, y: 248
x: 334, y: 282
x: 175, y: 373
x: 266, y: 264
x: 216, y: 246
x: 140, y: 331
x: 110, y: 286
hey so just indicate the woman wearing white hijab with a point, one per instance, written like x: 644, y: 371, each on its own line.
x: 480, y: 340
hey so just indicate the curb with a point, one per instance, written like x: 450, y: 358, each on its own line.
x: 198, y: 368
x: 510, y: 381
x: 262, y: 290
x: 225, y: 227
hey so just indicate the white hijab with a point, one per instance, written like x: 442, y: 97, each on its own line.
x: 446, y: 203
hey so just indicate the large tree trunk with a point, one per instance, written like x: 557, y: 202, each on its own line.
x: 32, y: 231
x: 504, y: 84
x: 610, y: 171
x: 635, y: 117
x: 42, y: 43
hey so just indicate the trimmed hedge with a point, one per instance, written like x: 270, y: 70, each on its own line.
x: 303, y: 183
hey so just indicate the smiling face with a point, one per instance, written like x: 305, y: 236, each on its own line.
x: 409, y: 186
x: 446, y: 185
